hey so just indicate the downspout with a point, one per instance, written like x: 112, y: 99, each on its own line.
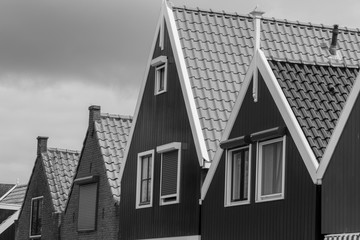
x: 256, y: 14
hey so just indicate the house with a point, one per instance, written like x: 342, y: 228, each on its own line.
x: 47, y: 193
x: 92, y: 209
x: 294, y: 94
x: 183, y: 107
x: 12, y: 196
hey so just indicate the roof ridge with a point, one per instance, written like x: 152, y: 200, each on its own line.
x: 63, y: 150
x: 109, y: 115
x: 328, y: 64
x: 272, y: 19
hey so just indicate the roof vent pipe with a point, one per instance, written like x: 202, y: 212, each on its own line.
x: 256, y: 14
x: 335, y: 34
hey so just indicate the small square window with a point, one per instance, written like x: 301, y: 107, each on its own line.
x: 271, y: 170
x: 36, y: 217
x: 160, y: 77
x: 237, y: 177
x: 160, y: 64
x: 144, y: 179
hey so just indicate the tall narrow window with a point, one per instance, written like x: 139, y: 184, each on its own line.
x: 160, y: 64
x: 144, y: 179
x: 36, y: 216
x: 87, y: 207
x: 271, y: 167
x: 170, y: 173
x: 237, y: 177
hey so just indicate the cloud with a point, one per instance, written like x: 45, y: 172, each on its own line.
x: 81, y: 40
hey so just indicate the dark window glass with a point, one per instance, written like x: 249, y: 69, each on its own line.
x: 145, y: 181
x: 240, y: 175
x: 36, y: 215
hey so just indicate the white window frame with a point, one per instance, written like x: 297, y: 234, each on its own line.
x: 228, y: 178
x: 163, y: 149
x: 272, y: 197
x: 138, y: 180
x: 160, y: 63
x: 31, y: 211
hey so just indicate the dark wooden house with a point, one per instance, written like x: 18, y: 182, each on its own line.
x: 92, y: 209
x: 47, y: 192
x: 183, y: 107
x: 11, y: 199
x: 264, y: 180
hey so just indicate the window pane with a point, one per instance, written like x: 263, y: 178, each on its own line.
x: 87, y: 206
x: 271, y: 168
x: 240, y: 175
x: 145, y: 181
x: 161, y: 75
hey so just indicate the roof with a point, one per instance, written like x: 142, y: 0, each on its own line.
x: 4, y: 188
x: 218, y: 49
x: 16, y: 196
x: 60, y: 168
x: 317, y: 96
x: 112, y: 133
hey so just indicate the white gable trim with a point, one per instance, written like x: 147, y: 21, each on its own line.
x: 338, y: 129
x: 287, y: 114
x: 9, y: 221
x: 186, y: 87
x: 141, y: 92
x: 229, y: 127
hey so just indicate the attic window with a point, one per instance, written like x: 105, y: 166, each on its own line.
x: 170, y: 173
x: 160, y: 64
x: 87, y: 207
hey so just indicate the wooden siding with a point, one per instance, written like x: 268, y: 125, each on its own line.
x: 162, y: 119
x: 295, y: 217
x: 340, y: 185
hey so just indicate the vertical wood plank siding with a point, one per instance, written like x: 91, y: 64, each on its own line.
x: 340, y: 185
x: 295, y: 217
x: 162, y: 119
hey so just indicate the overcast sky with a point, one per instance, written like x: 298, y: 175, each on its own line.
x: 59, y: 57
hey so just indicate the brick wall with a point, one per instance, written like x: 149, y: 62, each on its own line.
x: 38, y: 187
x: 91, y: 163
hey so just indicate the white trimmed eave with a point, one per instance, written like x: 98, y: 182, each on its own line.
x: 229, y: 126
x: 141, y: 92
x: 287, y: 114
x: 338, y: 129
x: 9, y: 221
x: 196, y: 128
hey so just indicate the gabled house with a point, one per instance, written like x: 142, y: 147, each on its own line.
x: 47, y: 193
x: 185, y: 102
x: 92, y: 209
x: 10, y: 204
x: 295, y: 94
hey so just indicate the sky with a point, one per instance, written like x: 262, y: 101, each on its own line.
x: 59, y: 57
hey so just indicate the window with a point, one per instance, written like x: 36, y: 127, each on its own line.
x: 271, y: 170
x: 87, y: 207
x: 170, y: 173
x: 145, y: 173
x: 160, y: 64
x: 237, y: 177
x: 36, y: 216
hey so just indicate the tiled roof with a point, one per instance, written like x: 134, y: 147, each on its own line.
x: 4, y: 188
x: 317, y: 95
x: 112, y: 133
x: 16, y: 196
x: 60, y: 168
x: 218, y: 49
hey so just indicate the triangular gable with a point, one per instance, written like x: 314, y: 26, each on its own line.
x: 339, y: 129
x: 260, y: 62
x: 166, y: 16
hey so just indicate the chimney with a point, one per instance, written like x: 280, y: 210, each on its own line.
x: 333, y: 44
x: 94, y: 114
x: 41, y: 144
x: 256, y: 14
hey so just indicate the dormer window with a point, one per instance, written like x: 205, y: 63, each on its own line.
x: 160, y: 64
